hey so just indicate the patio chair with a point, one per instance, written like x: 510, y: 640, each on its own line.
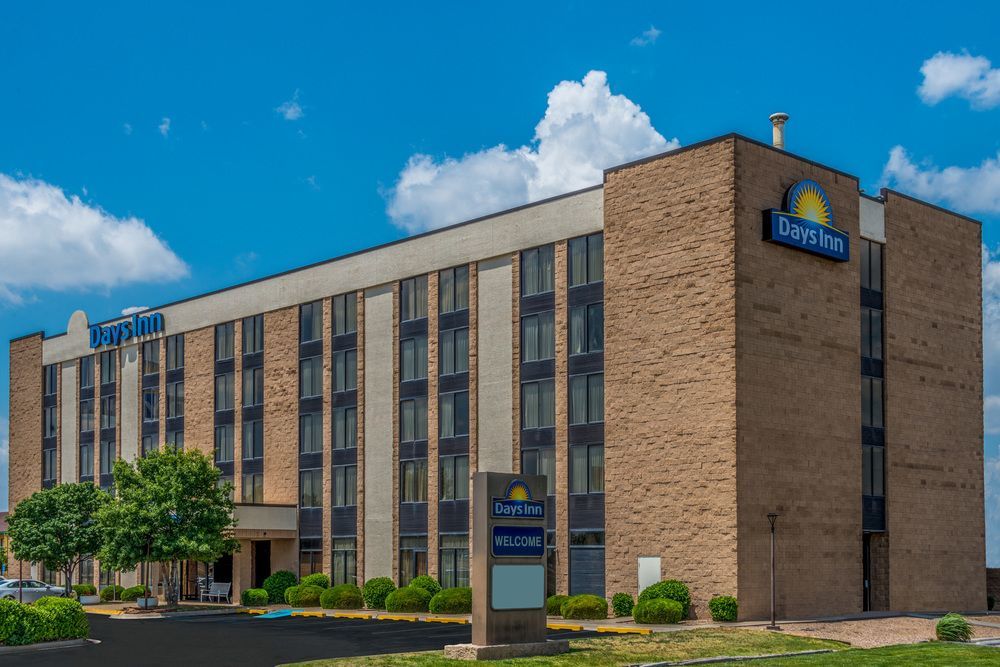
x: 219, y: 591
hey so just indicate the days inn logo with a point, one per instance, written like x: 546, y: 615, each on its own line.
x: 807, y: 223
x: 115, y: 334
x: 516, y: 503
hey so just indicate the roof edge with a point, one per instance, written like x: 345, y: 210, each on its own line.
x: 942, y: 209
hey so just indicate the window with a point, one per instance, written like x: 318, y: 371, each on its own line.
x: 453, y: 289
x: 224, y: 443
x: 151, y: 357
x: 311, y: 377
x: 225, y: 482
x: 454, y: 351
x: 107, y: 456
x: 253, y: 439
x: 454, y: 561
x: 586, y: 469
x: 224, y: 341
x: 175, y: 440
x: 345, y: 428
x: 345, y: 559
x: 253, y: 488
x: 86, y: 460
x: 413, y: 481
x: 871, y: 402
x: 871, y: 265
x: 175, y: 352
x: 538, y: 404
x: 586, y: 399
x: 107, y: 412
x: 345, y: 370
x: 586, y: 260
x: 311, y: 488
x: 87, y: 415
x: 253, y: 387
x: 310, y: 556
x: 86, y: 575
x: 310, y: 321
x: 107, y: 578
x: 345, y: 314
x: 224, y: 391
x: 871, y: 333
x: 586, y: 538
x: 453, y: 482
x: 253, y: 334
x: 86, y: 372
x: 50, y: 423
x: 345, y: 486
x: 311, y: 433
x: 148, y: 445
x: 586, y: 328
x: 413, y: 299
x: 873, y: 470
x: 541, y: 462
x: 175, y: 400
x: 413, y: 420
x: 48, y: 465
x: 109, y: 364
x: 538, y: 338
x: 413, y: 358
x: 150, y: 404
x: 454, y: 414
x: 537, y: 275
x: 412, y: 558
x: 51, y: 379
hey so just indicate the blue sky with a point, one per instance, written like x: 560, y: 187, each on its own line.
x: 206, y: 145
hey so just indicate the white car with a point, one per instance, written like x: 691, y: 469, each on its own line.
x: 27, y: 590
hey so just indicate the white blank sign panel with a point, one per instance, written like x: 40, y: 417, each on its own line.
x: 518, y: 587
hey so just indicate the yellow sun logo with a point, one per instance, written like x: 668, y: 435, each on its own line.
x: 807, y: 200
x: 518, y: 490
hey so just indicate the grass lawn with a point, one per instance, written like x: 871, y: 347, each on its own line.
x: 929, y: 653
x: 619, y: 650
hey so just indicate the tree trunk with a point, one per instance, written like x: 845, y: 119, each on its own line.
x: 168, y: 576
x: 68, y: 576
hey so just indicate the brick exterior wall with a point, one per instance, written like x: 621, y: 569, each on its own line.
x: 25, y: 424
x: 561, y: 320
x: 281, y: 407
x: 515, y: 309
x: 360, y: 543
x: 238, y: 413
x: 473, y: 392
x: 432, y: 424
x: 327, y: 557
x: 199, y: 391
x: 934, y: 407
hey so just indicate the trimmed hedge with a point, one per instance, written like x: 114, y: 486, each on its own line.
x: 427, y: 583
x: 276, y: 584
x: 408, y: 599
x: 344, y: 596
x: 112, y: 593
x: 671, y: 589
x: 621, y: 604
x: 723, y: 608
x: 134, y: 593
x: 67, y: 619
x: 585, y: 607
x: 49, y: 619
x: 316, y: 579
x: 553, y: 605
x: 452, y: 601
x: 288, y: 593
x: 304, y: 595
x: 376, y: 591
x: 254, y: 597
x: 953, y: 628
x: 84, y: 589
x: 660, y: 611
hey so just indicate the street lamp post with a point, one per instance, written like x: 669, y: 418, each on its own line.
x: 771, y: 518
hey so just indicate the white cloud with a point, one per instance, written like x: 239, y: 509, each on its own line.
x: 585, y: 130
x: 49, y: 240
x: 291, y: 109
x: 4, y: 462
x: 132, y: 310
x: 164, y: 126
x: 646, y: 37
x: 313, y: 181
x: 966, y: 189
x: 972, y: 78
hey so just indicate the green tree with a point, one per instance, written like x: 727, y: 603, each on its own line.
x: 57, y: 528
x: 168, y: 508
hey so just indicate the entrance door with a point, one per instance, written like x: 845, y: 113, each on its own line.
x: 261, y: 562
x: 222, y: 571
x: 866, y: 560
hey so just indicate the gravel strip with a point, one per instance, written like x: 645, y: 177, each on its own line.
x: 872, y: 633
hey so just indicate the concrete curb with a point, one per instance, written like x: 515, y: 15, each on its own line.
x: 174, y: 614
x: 735, y: 658
x: 47, y: 646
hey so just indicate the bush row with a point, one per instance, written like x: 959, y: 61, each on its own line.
x: 48, y: 619
x: 675, y: 605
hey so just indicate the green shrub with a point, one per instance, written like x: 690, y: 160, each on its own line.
x: 621, y: 604
x: 304, y: 595
x: 65, y: 618
x: 289, y: 592
x: 254, y: 597
x: 953, y: 628
x: 12, y: 623
x: 723, y: 608
x: 408, y: 598
x: 376, y: 591
x: 660, y: 611
x: 134, y: 593
x: 427, y: 583
x: 48, y: 619
x: 112, y: 593
x: 553, y: 605
x: 84, y: 589
x: 585, y: 607
x: 452, y: 601
x: 344, y: 596
x: 671, y: 589
x: 276, y: 584
x: 316, y: 579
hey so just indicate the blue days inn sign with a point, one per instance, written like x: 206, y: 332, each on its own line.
x: 119, y: 332
x: 807, y: 223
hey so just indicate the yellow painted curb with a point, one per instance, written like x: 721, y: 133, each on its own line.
x: 255, y: 612
x: 308, y: 614
x: 390, y: 617
x: 624, y: 631
x: 564, y: 626
x: 103, y: 612
x: 351, y: 615
x: 444, y: 619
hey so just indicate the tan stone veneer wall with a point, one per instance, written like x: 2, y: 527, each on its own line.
x: 934, y: 407
x: 670, y: 371
x: 281, y: 407
x: 25, y: 425
x: 199, y: 391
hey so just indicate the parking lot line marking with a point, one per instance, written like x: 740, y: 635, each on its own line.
x: 344, y: 614
x: 308, y: 614
x: 445, y: 619
x: 391, y: 617
x: 624, y: 631
x: 564, y: 626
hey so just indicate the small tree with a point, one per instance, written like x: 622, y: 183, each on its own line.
x: 57, y: 527
x: 168, y: 508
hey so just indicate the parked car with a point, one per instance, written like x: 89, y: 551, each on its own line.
x: 30, y: 589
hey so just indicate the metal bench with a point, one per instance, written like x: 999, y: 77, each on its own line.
x: 218, y: 591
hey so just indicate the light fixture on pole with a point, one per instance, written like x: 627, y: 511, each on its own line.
x: 771, y: 518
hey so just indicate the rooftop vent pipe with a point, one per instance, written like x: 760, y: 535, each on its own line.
x: 778, y: 129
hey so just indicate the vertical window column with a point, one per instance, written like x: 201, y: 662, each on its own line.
x: 50, y: 423
x: 344, y: 423
x: 88, y: 414
x: 150, y: 397
x: 225, y: 401
x: 251, y: 413
x: 872, y: 389
x: 107, y: 442
x: 311, y: 376
x: 175, y: 392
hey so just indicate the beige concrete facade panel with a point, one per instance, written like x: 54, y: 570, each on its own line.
x: 69, y: 424
x: 872, y: 219
x: 129, y: 403
x: 494, y: 350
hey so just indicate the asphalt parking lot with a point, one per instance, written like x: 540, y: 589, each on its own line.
x: 244, y: 640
